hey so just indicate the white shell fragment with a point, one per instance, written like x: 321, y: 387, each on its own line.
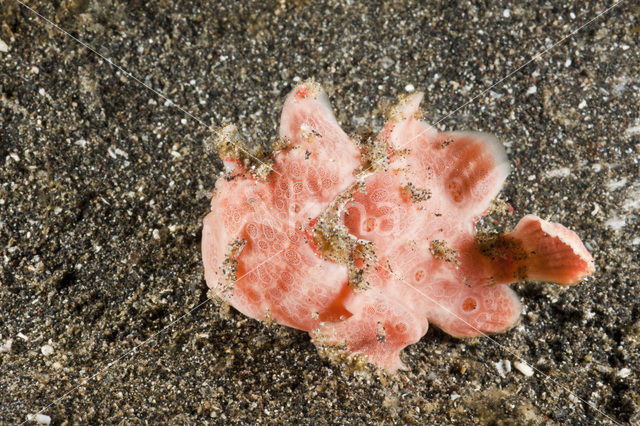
x: 504, y: 367
x: 523, y: 368
x: 41, y: 419
x: 6, y: 346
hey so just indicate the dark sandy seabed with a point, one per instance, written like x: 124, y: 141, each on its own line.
x: 103, y: 188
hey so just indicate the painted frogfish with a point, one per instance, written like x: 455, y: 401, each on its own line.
x: 363, y: 241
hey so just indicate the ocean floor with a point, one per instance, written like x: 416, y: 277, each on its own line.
x: 104, y: 315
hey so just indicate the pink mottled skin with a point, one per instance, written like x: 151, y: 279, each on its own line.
x: 280, y: 274
x: 419, y: 212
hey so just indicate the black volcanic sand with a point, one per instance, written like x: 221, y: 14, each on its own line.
x: 104, y: 185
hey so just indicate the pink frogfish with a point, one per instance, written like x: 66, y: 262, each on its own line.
x: 364, y: 241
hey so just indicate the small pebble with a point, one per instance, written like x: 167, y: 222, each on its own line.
x: 6, y: 346
x: 624, y: 372
x: 47, y: 350
x: 523, y: 368
x: 41, y: 419
x: 3, y: 46
x: 409, y: 88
